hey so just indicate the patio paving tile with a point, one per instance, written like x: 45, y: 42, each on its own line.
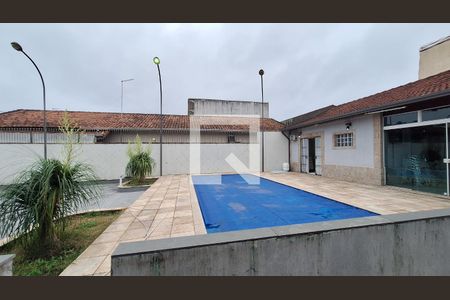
x: 164, y: 215
x: 133, y: 234
x: 183, y: 207
x: 100, y: 249
x: 105, y: 266
x: 127, y: 219
x: 117, y: 227
x: 183, y: 220
x: 139, y: 224
x: 179, y: 228
x: 168, y: 204
x: 183, y: 213
x: 166, y: 210
x: 83, y: 266
x: 153, y: 205
x: 108, y: 237
x: 187, y: 233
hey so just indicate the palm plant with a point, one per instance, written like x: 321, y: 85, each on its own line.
x: 140, y: 162
x: 36, y: 204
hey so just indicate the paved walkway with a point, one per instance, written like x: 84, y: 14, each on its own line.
x: 169, y: 208
x: 383, y: 200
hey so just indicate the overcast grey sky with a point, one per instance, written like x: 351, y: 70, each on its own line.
x: 307, y: 66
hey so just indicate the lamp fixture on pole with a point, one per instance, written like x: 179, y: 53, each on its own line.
x: 261, y: 73
x: 156, y: 61
x: 19, y: 48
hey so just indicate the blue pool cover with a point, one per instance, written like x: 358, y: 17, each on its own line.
x: 235, y: 205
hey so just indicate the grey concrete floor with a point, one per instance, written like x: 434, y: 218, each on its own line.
x: 113, y: 197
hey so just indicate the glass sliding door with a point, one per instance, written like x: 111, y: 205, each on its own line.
x: 414, y: 158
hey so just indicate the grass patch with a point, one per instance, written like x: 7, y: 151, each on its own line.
x: 81, y: 231
x: 134, y: 182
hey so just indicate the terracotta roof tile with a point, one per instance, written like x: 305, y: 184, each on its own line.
x: 396, y: 96
x: 106, y: 120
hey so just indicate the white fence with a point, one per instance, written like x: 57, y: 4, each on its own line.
x: 31, y: 137
x: 109, y: 160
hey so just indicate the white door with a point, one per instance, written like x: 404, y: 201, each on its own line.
x: 295, y: 154
x: 304, y: 156
x: 318, y: 156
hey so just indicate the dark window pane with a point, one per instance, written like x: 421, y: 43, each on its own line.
x: 414, y: 158
x: 405, y: 118
x: 436, y: 114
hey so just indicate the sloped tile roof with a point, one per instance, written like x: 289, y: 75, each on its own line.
x: 396, y: 96
x: 106, y: 120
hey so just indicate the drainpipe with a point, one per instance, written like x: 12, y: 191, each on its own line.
x: 289, y: 147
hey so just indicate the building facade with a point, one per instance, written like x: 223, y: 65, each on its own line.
x: 399, y: 137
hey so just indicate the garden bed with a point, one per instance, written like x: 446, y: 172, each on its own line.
x: 82, y: 230
x: 133, y: 184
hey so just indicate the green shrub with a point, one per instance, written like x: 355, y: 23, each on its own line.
x: 140, y: 162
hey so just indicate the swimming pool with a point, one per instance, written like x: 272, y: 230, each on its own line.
x: 235, y: 205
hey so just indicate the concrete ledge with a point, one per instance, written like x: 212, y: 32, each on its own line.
x: 400, y: 244
x: 260, y: 233
x: 6, y: 264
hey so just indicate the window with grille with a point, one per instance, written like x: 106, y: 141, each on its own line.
x: 343, y: 140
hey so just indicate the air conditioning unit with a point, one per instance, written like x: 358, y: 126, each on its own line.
x: 293, y: 137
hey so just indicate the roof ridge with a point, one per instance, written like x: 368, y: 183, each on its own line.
x: 397, y: 87
x: 10, y: 111
x: 84, y: 111
x: 229, y: 100
x: 139, y: 114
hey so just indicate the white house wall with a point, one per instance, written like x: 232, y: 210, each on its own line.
x: 360, y: 163
x: 295, y: 156
x: 359, y: 156
x: 275, y: 150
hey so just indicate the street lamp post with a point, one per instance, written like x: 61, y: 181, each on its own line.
x: 121, y: 106
x: 17, y: 47
x: 156, y: 61
x: 261, y: 73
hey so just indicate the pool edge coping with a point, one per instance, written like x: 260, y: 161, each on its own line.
x: 174, y: 243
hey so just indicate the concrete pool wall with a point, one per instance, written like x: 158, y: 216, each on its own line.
x: 399, y: 244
